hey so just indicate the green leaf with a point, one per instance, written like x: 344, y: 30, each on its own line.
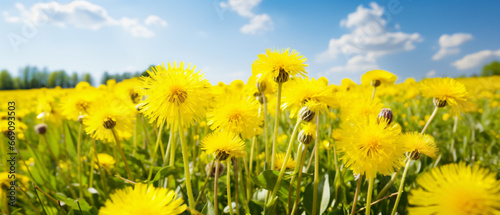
x: 164, y: 172
x: 267, y: 180
x: 309, y: 193
x: 256, y: 207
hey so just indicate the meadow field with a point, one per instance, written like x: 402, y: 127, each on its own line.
x: 279, y: 142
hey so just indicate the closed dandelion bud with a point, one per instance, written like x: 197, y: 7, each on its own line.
x: 261, y: 86
x: 282, y: 76
x: 41, y: 128
x: 306, y: 114
x: 260, y: 99
x: 304, y: 137
x: 109, y: 123
x: 376, y: 83
x: 385, y: 114
x: 440, y: 103
x: 214, y: 170
x: 415, y: 155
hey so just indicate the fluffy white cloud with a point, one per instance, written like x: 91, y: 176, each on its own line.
x: 79, y: 14
x: 430, y: 74
x: 449, y: 44
x: 368, y: 40
x: 477, y: 59
x: 258, y: 22
x: 155, y: 20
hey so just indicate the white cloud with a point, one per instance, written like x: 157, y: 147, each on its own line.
x: 477, y: 59
x: 258, y: 22
x: 430, y: 74
x: 368, y: 40
x: 449, y: 44
x: 79, y: 14
x: 155, y: 20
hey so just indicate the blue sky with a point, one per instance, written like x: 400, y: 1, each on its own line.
x: 341, y: 39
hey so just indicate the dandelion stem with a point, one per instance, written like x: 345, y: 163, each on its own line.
x: 276, y: 126
x: 206, y: 180
x: 252, y: 149
x: 118, y: 144
x: 264, y: 100
x: 228, y: 187
x: 135, y: 136
x: 79, y: 159
x: 369, y: 196
x: 216, y: 203
x: 283, y: 167
x: 387, y: 186
x: 356, y: 194
x: 236, y: 185
x: 373, y: 94
x: 430, y: 119
x: 316, y: 169
x: 187, y: 173
x: 401, y: 186
x: 103, y: 173
x: 173, y: 146
x: 295, y: 171
x: 299, y: 177
x: 153, y: 156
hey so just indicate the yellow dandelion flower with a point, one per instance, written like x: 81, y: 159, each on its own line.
x: 106, y: 161
x: 302, y: 90
x: 356, y: 105
x: 143, y: 199
x: 456, y: 189
x: 280, y: 65
x: 446, y: 90
x: 236, y: 114
x: 77, y: 103
x: 223, y: 145
x: 106, y: 115
x: 347, y: 84
x: 417, y: 144
x: 175, y: 93
x: 280, y: 157
x: 367, y: 146
x: 378, y: 77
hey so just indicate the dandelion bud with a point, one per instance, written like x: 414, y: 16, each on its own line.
x: 260, y: 98
x: 41, y: 128
x: 306, y: 114
x: 282, y: 76
x: 304, y: 137
x: 415, y: 155
x: 440, y: 103
x: 109, y: 123
x: 385, y: 114
x: 80, y: 118
x: 261, y: 86
x: 213, y: 170
x: 376, y: 83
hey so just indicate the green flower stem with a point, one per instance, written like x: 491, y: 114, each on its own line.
x: 153, y: 156
x: 276, y: 126
x: 252, y: 149
x: 206, y: 181
x: 101, y: 171
x: 430, y: 119
x: 216, y: 203
x: 228, y: 187
x: 295, y: 171
x: 135, y: 136
x: 299, y: 177
x: 173, y: 146
x: 236, y: 185
x: 401, y: 186
x: 187, y: 173
x: 384, y: 190
x: 283, y: 167
x: 265, y: 132
x: 316, y: 169
x: 369, y: 196
x: 79, y: 156
x: 118, y: 144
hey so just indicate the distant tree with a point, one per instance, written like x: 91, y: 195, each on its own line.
x: 6, y: 82
x: 491, y: 69
x: 105, y: 77
x: 74, y: 79
x: 88, y: 78
x: 51, y: 81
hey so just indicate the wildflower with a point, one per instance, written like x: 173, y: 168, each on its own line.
x: 143, y: 199
x: 445, y: 92
x: 106, y: 161
x: 77, y: 104
x: 456, y: 189
x: 307, y: 134
x: 175, y: 94
x: 280, y: 65
x: 378, y: 77
x: 105, y: 117
x: 419, y: 144
x: 280, y: 158
x: 302, y: 90
x: 368, y: 146
x: 223, y: 145
x: 236, y: 114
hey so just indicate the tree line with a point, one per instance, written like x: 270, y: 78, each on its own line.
x: 33, y: 77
